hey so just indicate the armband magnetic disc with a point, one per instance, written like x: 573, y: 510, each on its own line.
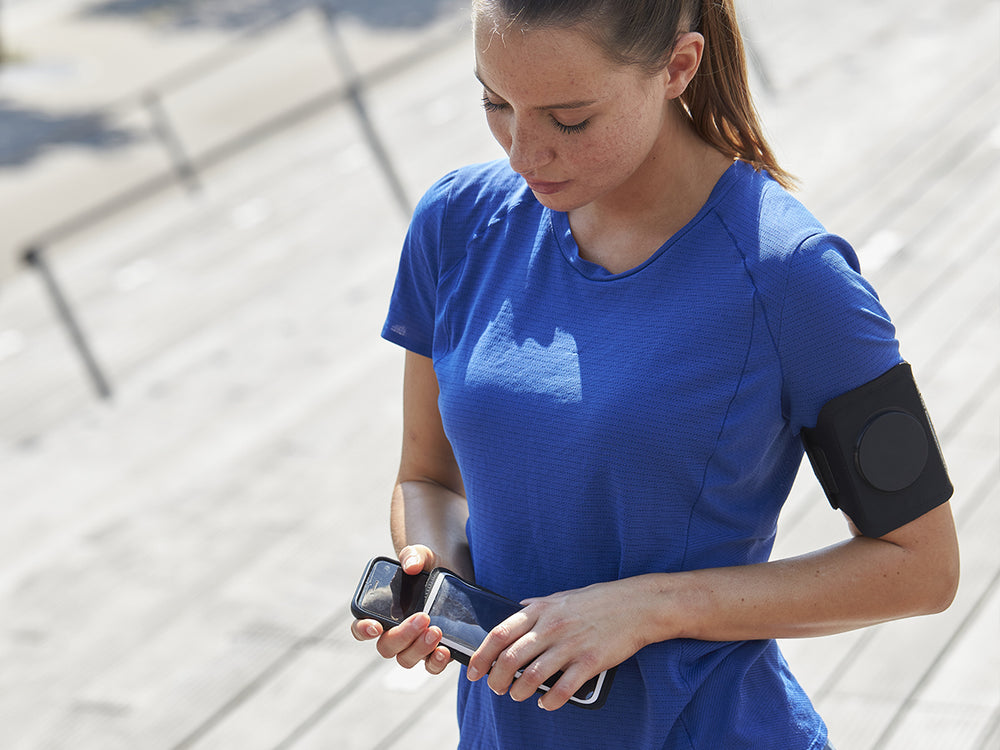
x: 892, y: 451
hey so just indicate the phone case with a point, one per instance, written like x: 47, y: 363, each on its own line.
x: 362, y: 612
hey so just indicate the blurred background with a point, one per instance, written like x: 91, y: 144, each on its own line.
x: 201, y: 208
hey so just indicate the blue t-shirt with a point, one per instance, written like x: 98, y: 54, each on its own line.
x: 610, y: 425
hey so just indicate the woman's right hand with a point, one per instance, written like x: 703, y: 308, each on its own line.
x: 414, y: 640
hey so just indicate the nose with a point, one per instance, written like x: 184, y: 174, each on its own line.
x: 526, y: 148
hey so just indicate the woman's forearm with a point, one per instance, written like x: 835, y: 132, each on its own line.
x: 425, y: 512
x: 850, y: 585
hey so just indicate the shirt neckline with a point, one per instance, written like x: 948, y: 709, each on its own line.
x: 559, y: 221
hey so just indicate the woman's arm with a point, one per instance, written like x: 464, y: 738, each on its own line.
x: 911, y: 571
x: 427, y: 517
x: 428, y: 502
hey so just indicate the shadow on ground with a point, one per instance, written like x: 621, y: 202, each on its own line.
x: 25, y: 134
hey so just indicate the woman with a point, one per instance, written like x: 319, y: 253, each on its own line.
x: 617, y: 340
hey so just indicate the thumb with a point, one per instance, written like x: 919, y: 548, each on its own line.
x: 416, y: 558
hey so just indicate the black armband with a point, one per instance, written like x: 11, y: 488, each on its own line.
x: 876, y: 455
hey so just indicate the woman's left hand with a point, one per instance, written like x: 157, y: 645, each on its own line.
x: 580, y: 633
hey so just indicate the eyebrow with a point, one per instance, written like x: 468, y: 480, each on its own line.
x: 580, y: 104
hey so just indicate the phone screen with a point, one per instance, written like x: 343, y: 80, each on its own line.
x: 387, y: 593
x: 466, y: 613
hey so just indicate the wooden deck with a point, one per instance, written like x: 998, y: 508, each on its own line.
x: 176, y: 565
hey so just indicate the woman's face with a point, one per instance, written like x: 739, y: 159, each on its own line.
x: 577, y: 126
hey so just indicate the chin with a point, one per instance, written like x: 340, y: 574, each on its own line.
x: 563, y: 202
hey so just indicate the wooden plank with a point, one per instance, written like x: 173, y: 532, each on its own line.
x: 990, y: 738
x: 884, y: 111
x: 919, y: 175
x: 955, y: 702
x: 898, y: 655
x: 163, y: 529
x: 285, y: 702
x: 939, y: 232
x: 361, y: 722
x: 435, y: 726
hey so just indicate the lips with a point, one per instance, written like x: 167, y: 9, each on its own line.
x: 545, y: 188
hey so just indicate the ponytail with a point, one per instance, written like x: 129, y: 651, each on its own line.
x: 718, y: 98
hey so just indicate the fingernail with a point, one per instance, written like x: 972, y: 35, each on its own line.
x: 473, y: 674
x: 430, y: 637
x: 372, y: 631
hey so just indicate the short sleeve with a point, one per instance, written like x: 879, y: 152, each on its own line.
x: 410, y: 321
x: 834, y: 334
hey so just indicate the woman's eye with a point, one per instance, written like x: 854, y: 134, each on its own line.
x: 569, y: 129
x: 491, y: 106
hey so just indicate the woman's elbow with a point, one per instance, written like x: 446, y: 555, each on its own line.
x: 945, y: 574
x: 931, y: 545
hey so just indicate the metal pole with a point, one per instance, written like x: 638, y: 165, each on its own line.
x: 35, y: 257
x: 171, y: 141
x: 343, y: 61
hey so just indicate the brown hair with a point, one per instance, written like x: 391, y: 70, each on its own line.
x: 643, y: 33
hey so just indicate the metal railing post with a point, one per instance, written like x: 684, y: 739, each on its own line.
x: 167, y: 135
x: 35, y: 257
x: 354, y: 83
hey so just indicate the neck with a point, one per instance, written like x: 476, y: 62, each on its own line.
x: 623, y: 228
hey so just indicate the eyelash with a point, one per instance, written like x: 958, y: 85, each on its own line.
x: 563, y: 128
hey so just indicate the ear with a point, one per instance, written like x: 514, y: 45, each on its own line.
x: 684, y: 62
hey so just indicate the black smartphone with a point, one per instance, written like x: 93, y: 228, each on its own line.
x: 466, y: 613
x: 387, y: 594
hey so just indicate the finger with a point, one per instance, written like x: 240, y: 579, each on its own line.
x: 366, y: 630
x: 532, y: 676
x: 416, y: 558
x: 482, y: 661
x: 438, y: 660
x: 564, y: 688
x: 520, y: 657
x: 398, y: 639
x: 421, y: 649
x: 494, y: 655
